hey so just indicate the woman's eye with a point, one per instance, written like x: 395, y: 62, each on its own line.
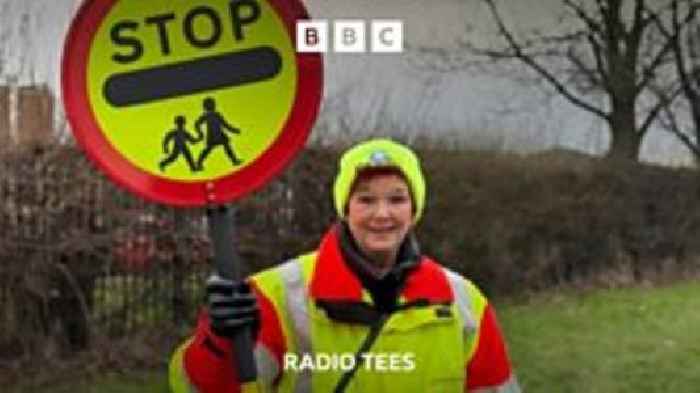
x: 396, y: 199
x: 366, y: 199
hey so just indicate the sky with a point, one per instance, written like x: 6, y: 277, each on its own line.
x: 379, y: 93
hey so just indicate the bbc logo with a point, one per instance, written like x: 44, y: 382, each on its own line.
x: 349, y: 36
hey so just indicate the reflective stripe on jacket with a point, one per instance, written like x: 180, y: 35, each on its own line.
x: 315, y: 315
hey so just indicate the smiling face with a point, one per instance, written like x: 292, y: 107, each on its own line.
x: 379, y: 215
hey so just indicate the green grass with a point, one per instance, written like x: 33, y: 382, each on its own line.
x: 609, y: 341
x: 632, y: 340
x: 142, y: 383
x: 146, y: 382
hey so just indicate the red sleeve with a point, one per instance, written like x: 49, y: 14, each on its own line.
x: 490, y: 365
x: 209, y: 362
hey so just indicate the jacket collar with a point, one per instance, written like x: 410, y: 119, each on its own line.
x: 332, y: 279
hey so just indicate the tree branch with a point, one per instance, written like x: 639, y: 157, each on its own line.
x: 600, y: 63
x: 673, y: 127
x: 579, y: 64
x: 634, y: 36
x: 519, y: 53
x: 663, y: 101
x: 671, y: 42
x: 595, y: 30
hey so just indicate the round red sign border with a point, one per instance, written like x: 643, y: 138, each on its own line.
x: 185, y: 193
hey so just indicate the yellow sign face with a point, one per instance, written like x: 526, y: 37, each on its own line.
x: 191, y: 90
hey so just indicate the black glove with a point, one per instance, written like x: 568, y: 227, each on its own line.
x: 232, y: 306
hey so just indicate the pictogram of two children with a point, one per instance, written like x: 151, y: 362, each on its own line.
x: 176, y: 142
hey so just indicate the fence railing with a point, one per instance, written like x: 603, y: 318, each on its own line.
x: 80, y: 256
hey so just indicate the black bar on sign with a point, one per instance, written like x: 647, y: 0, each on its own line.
x: 192, y: 76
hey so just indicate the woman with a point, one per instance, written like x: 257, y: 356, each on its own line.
x: 365, y: 312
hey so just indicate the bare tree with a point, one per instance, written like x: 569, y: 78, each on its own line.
x: 608, y: 48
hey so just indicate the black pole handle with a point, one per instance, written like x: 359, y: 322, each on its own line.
x: 228, y: 266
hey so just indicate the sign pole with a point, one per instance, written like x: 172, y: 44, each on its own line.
x: 228, y: 265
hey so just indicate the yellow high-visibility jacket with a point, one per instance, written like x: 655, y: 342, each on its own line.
x: 315, y: 316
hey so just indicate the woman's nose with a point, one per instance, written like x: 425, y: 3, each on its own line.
x: 382, y: 210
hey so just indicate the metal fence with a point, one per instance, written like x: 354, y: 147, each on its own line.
x: 80, y: 256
